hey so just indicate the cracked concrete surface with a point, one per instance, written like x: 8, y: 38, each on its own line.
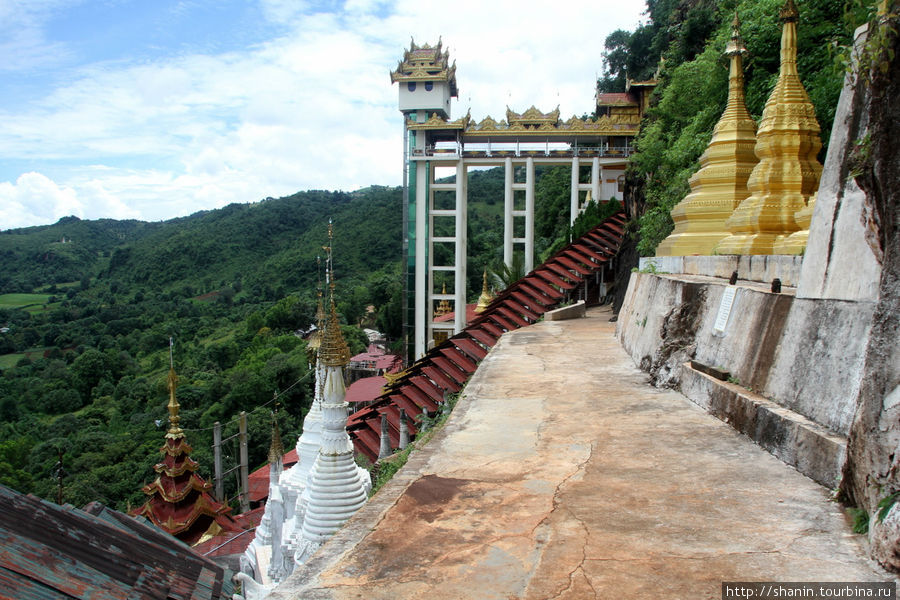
x: 563, y: 474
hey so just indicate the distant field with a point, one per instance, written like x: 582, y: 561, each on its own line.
x: 22, y: 300
x: 28, y: 302
x: 8, y: 361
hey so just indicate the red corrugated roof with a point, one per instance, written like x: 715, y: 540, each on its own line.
x: 616, y: 98
x: 259, y: 479
x: 471, y: 315
x: 365, y: 390
x: 444, y: 368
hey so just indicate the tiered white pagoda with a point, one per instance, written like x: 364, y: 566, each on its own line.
x: 312, y: 499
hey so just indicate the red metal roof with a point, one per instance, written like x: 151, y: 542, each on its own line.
x: 471, y: 315
x: 616, y: 99
x: 234, y: 542
x: 258, y: 480
x: 449, y: 364
x: 365, y: 390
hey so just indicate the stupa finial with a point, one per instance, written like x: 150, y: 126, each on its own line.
x: 333, y: 351
x: 172, y: 383
x: 789, y: 11
x: 276, y: 448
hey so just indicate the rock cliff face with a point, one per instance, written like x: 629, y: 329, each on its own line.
x: 871, y: 478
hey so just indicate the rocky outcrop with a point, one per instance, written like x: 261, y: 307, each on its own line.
x: 871, y: 477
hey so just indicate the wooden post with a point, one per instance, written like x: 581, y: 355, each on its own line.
x: 245, y: 474
x: 217, y: 461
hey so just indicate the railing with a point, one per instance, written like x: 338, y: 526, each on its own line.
x: 453, y: 153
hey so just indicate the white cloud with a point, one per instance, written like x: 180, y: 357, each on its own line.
x: 312, y: 107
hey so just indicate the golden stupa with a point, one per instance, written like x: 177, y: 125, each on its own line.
x: 787, y: 175
x: 486, y: 297
x: 444, y: 307
x: 721, y: 183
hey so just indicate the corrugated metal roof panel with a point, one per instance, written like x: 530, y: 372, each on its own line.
x: 55, y: 551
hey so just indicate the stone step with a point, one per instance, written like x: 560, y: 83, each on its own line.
x: 815, y: 451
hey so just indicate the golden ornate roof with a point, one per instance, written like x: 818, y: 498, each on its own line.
x: 437, y: 122
x: 532, y: 117
x: 426, y: 63
x: 529, y: 123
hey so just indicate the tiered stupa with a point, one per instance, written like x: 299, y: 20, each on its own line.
x: 788, y: 172
x: 443, y: 307
x: 179, y: 500
x: 721, y: 183
x: 337, y: 488
x: 486, y: 297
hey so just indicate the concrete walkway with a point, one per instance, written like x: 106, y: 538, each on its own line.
x: 562, y: 474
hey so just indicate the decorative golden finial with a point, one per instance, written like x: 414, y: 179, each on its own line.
x: 333, y: 351
x: 736, y: 44
x: 276, y: 449
x: 174, y: 431
x: 486, y: 297
x: 789, y: 12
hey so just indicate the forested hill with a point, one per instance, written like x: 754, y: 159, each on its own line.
x: 87, y: 309
x: 208, y: 249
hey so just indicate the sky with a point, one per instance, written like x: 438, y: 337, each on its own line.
x: 154, y: 109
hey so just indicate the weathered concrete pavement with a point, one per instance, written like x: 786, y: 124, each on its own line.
x: 562, y: 474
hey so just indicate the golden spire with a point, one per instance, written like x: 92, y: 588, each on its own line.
x: 174, y: 431
x: 788, y: 171
x: 333, y: 351
x: 486, y: 297
x: 720, y: 184
x: 276, y: 448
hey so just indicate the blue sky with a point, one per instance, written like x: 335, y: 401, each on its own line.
x: 156, y: 109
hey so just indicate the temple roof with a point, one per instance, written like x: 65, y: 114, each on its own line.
x: 531, y: 122
x: 179, y: 500
x: 426, y: 63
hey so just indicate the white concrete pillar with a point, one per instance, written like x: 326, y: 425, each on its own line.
x: 508, y: 213
x: 459, y: 286
x: 529, y: 214
x: 595, y: 179
x: 423, y: 294
x: 573, y: 209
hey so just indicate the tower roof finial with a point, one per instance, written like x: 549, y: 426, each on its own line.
x: 172, y: 383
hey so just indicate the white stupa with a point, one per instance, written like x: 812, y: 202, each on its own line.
x: 337, y: 487
x: 311, y: 500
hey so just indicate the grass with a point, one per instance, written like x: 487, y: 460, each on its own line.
x: 22, y: 300
x: 8, y: 361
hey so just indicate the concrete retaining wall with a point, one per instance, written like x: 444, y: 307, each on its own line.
x: 761, y: 268
x: 804, y: 354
